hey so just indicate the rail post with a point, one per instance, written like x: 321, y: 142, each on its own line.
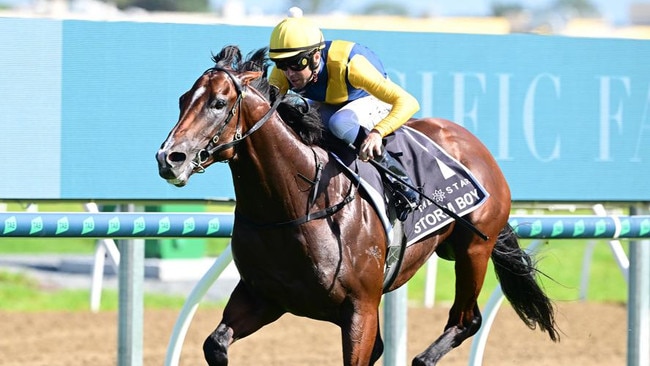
x: 131, y: 297
x: 395, y: 314
x: 638, y: 314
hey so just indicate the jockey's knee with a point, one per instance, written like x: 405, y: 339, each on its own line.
x: 344, y: 125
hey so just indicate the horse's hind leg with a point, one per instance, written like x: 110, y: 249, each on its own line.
x: 243, y: 315
x: 464, y: 317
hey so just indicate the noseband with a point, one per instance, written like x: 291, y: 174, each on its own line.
x: 212, y: 148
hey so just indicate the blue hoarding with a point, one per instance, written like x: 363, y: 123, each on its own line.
x: 85, y: 105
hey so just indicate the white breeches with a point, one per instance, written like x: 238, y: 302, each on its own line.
x: 344, y: 122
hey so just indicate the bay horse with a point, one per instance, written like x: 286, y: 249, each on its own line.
x: 307, y: 242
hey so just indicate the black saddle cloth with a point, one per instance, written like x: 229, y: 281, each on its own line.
x: 443, y: 180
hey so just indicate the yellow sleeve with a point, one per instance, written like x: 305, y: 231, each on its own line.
x: 362, y: 74
x: 278, y: 79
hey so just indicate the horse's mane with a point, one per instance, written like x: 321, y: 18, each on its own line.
x: 293, y: 109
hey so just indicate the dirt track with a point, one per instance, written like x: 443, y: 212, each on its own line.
x: 593, y: 334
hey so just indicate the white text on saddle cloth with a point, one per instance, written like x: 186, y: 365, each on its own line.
x: 437, y: 216
x: 459, y: 195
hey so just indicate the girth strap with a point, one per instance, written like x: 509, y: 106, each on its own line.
x: 328, y: 211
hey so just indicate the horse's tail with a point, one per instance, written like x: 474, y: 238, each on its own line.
x: 517, y: 274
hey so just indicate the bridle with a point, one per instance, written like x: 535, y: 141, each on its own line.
x: 212, y: 148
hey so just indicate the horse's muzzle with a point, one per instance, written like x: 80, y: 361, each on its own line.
x: 167, y: 167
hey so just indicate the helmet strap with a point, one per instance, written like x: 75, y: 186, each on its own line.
x: 313, y: 66
x: 313, y: 78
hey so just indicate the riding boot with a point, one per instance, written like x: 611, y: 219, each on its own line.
x: 406, y: 198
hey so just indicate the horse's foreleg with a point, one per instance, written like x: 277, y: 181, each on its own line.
x: 464, y: 317
x: 243, y: 315
x: 359, y: 330
x: 378, y: 348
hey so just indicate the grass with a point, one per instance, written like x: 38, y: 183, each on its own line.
x: 19, y: 292
x: 560, y: 266
x: 561, y: 260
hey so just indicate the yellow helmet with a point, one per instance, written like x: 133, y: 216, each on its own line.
x: 293, y: 36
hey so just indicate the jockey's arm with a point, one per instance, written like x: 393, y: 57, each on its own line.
x: 362, y: 74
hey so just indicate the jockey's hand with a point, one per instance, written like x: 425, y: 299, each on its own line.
x: 371, y: 146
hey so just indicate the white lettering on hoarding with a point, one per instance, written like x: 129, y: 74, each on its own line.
x: 472, y: 90
x: 462, y: 115
x: 426, y: 109
x: 607, y: 114
x: 644, y: 128
x: 503, y: 149
x: 529, y: 117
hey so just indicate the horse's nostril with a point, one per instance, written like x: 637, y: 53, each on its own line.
x: 177, y: 157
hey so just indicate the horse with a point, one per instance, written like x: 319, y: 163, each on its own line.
x: 306, y: 241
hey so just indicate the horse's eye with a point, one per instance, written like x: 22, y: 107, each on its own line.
x: 218, y: 103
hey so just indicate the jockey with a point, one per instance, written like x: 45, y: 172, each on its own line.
x: 347, y: 81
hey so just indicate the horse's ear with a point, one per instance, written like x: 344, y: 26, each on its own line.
x: 248, y: 76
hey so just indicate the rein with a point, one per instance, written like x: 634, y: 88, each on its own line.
x: 309, y: 216
x: 204, y: 154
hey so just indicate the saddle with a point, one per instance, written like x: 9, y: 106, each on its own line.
x: 443, y: 180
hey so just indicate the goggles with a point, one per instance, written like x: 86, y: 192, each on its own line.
x: 296, y: 63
